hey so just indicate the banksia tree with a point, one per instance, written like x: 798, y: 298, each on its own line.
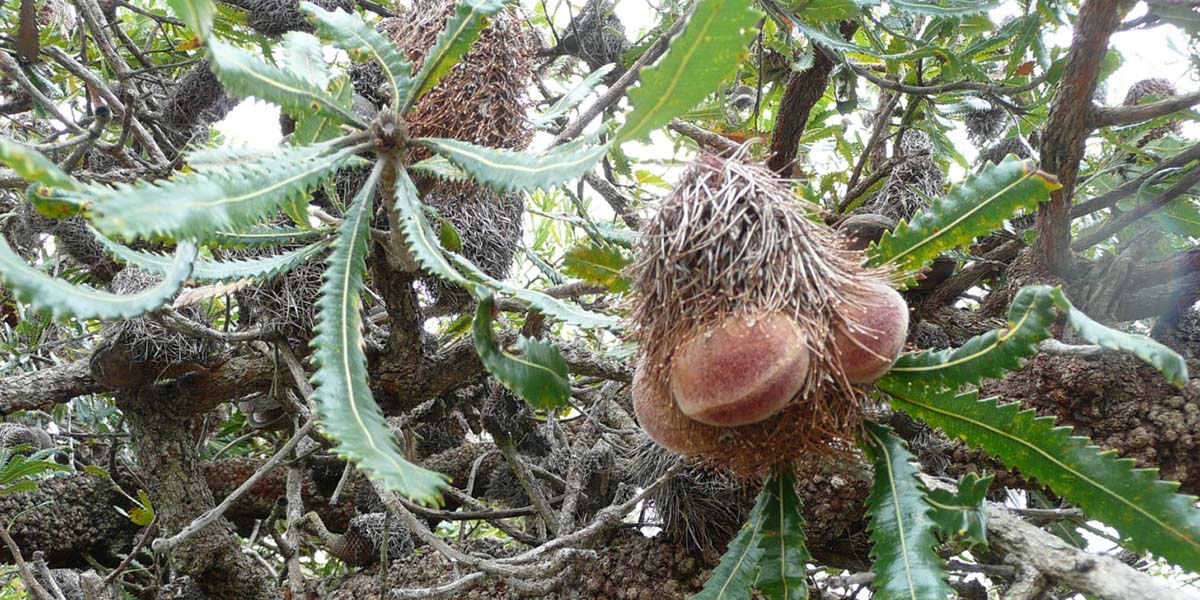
x: 726, y: 359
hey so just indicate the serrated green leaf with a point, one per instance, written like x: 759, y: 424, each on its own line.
x: 573, y: 97
x: 317, y: 127
x: 461, y: 31
x: 48, y: 294
x: 1143, y: 509
x: 821, y: 11
x: 708, y: 51
x: 976, y: 207
x: 34, y: 166
x: 902, y: 528
x: 960, y: 514
x: 440, y: 167
x: 421, y: 238
x: 301, y: 55
x: 1167, y: 361
x: 943, y: 8
x: 537, y: 375
x: 559, y: 309
x: 97, y: 471
x: 989, y: 355
x: 211, y: 271
x: 599, y: 264
x: 23, y: 486
x: 734, y: 576
x: 196, y: 14
x: 200, y: 204
x: 510, y: 171
x: 244, y: 75
x: 348, y: 410
x: 354, y: 35
x: 268, y: 235
x: 782, y: 573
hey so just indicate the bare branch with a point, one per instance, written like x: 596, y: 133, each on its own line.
x: 1102, y: 116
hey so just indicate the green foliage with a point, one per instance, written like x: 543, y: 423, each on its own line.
x: 976, y: 207
x: 143, y: 515
x: 1166, y: 360
x: 734, y: 576
x: 943, y: 8
x: 354, y: 35
x: 211, y: 271
x: 244, y: 75
x: 705, y: 53
x: 782, y: 572
x: 563, y: 311
x: 55, y: 296
x: 989, y: 355
x: 423, y: 242
x: 537, y: 374
x: 769, y: 553
x: 599, y: 264
x: 201, y: 204
x: 18, y: 473
x: 342, y: 394
x: 33, y: 166
x: 301, y: 54
x: 456, y: 39
x: 573, y: 97
x: 960, y: 514
x: 196, y: 14
x: 1146, y: 511
x: 902, y: 526
x: 510, y: 171
x: 268, y: 235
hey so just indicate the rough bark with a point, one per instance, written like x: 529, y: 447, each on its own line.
x: 166, y: 452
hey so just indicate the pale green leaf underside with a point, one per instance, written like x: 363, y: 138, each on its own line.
x: 976, y: 207
x: 510, y: 171
x: 200, y: 204
x: 563, y: 311
x: 1166, y: 360
x: 348, y: 410
x: 55, y: 296
x: 302, y: 55
x: 422, y: 240
x: 902, y: 528
x: 1143, y: 509
x: 943, y: 8
x: 705, y: 53
x: 460, y: 32
x: 268, y: 235
x: 244, y: 75
x: 211, y: 271
x: 350, y: 33
x: 538, y: 374
x: 196, y: 14
x: 573, y: 97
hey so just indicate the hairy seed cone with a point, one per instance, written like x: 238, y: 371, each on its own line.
x: 871, y: 339
x: 741, y: 371
x: 661, y: 418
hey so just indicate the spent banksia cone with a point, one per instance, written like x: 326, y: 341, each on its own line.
x: 753, y: 322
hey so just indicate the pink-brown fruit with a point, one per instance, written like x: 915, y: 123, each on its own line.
x: 876, y: 326
x: 662, y: 420
x: 742, y: 370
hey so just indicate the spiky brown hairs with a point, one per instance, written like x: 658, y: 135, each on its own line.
x: 595, y: 35
x: 482, y: 99
x: 135, y: 351
x: 733, y: 240
x: 910, y: 184
x: 983, y: 126
x: 1156, y: 88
